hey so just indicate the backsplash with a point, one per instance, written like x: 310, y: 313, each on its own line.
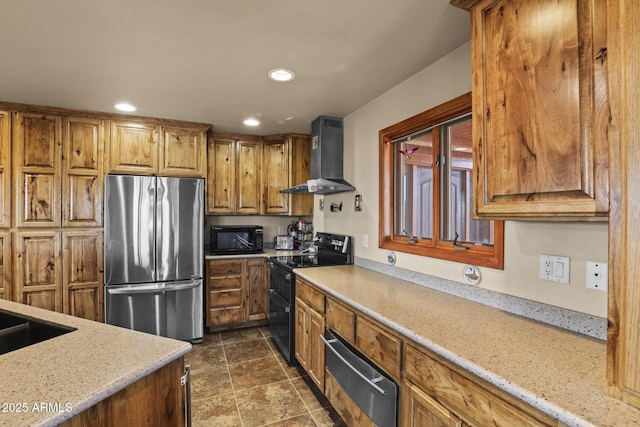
x: 582, y: 323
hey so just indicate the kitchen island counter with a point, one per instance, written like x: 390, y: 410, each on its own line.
x: 51, y: 381
x: 562, y: 373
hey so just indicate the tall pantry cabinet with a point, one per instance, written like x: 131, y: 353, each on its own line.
x: 57, y: 185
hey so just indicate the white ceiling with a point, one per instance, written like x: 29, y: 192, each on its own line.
x: 207, y: 60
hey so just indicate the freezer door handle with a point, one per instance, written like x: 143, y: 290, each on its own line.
x: 153, y: 289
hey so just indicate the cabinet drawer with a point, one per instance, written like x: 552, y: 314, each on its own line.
x: 224, y: 315
x: 341, y: 319
x: 310, y: 295
x: 379, y: 345
x: 231, y: 267
x: 224, y: 283
x: 224, y: 299
x: 469, y: 400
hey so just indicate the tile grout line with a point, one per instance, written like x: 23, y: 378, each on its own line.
x: 233, y: 388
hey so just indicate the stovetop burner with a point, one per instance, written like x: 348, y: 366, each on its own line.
x: 331, y: 249
x: 297, y: 261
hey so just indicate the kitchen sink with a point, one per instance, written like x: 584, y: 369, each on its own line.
x: 18, y: 331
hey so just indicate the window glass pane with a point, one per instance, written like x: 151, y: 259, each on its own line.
x: 413, y: 178
x: 457, y: 191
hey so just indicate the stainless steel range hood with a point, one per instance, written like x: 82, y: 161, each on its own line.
x: 327, y: 144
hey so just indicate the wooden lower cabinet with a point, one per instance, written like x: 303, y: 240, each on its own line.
x: 420, y: 410
x: 380, y: 345
x: 341, y: 319
x: 83, y: 282
x: 60, y: 271
x: 433, y: 392
x: 236, y: 292
x: 460, y: 394
x: 155, y: 400
x: 310, y: 326
x: 38, y: 269
x: 257, y: 295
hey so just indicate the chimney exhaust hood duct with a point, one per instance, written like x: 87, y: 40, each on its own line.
x: 327, y: 144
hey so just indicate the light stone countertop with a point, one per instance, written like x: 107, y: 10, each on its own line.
x: 75, y: 370
x: 557, y: 371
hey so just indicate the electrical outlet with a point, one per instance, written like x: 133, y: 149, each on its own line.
x: 554, y: 268
x: 365, y: 240
x: 280, y: 231
x: 597, y: 275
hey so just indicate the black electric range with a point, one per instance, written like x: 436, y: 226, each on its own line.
x: 329, y: 249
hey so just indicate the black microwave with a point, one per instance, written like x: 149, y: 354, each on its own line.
x: 236, y: 239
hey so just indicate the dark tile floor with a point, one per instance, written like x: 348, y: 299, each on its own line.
x: 240, y: 379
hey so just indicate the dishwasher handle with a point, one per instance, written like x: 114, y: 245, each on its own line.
x: 372, y: 383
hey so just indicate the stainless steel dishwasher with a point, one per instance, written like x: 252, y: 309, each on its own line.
x: 366, y: 385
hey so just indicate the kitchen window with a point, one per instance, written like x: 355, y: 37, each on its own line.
x: 426, y: 192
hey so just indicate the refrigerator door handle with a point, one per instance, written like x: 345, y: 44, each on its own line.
x: 153, y: 289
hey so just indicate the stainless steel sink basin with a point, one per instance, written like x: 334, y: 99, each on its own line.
x: 18, y: 331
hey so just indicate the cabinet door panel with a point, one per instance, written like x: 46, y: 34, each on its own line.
x: 540, y: 109
x: 133, y: 148
x: 38, y: 269
x: 276, y: 176
x: 379, y: 345
x: 248, y: 166
x: 257, y: 303
x: 420, y: 410
x: 302, y: 333
x: 83, y: 172
x: 315, y: 357
x: 182, y: 152
x: 341, y: 319
x: 221, y: 176
x: 83, y: 274
x: 37, y: 169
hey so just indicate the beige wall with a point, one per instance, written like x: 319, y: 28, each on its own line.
x: 524, y: 241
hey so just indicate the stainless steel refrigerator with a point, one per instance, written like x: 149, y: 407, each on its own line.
x: 153, y: 255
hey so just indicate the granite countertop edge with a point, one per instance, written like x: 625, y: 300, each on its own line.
x: 66, y: 369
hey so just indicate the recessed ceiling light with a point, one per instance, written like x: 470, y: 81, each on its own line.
x: 251, y: 122
x: 124, y: 106
x: 281, y: 75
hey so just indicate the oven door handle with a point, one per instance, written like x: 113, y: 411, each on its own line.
x: 274, y: 266
x: 372, y: 382
x: 279, y: 300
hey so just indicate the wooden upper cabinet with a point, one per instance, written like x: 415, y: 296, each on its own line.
x: 275, y: 174
x: 5, y: 169
x: 221, y: 171
x: 133, y: 147
x: 249, y: 161
x: 183, y: 152
x: 83, y: 172
x: 286, y: 162
x: 148, y: 148
x: 233, y: 174
x: 540, y: 108
x: 37, y: 140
